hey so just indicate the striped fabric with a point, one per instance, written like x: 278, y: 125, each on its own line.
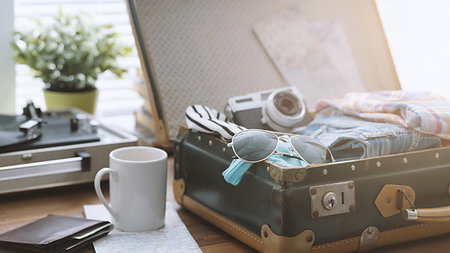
x: 421, y: 111
x: 204, y: 119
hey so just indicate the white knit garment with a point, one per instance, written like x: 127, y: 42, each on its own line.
x: 207, y: 120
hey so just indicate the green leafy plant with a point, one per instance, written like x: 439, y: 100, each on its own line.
x: 70, y: 53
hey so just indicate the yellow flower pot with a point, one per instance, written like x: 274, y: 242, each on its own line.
x: 84, y: 100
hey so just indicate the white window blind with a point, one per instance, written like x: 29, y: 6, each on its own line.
x: 116, y: 96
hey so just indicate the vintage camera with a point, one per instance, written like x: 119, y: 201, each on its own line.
x: 280, y: 109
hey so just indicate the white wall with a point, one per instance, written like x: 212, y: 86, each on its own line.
x: 7, y: 73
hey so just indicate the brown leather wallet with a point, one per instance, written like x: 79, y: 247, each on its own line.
x: 54, y: 233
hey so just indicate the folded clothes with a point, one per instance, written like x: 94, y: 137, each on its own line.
x: 417, y: 110
x: 351, y: 138
x: 348, y: 137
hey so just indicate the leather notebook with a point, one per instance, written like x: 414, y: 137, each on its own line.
x: 54, y: 233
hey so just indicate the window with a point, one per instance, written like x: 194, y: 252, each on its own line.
x: 419, y: 41
x: 117, y: 99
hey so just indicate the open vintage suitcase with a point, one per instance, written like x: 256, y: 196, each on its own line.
x: 203, y: 52
x: 276, y: 209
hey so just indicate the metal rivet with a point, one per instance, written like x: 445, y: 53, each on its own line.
x: 325, y: 171
x: 389, y: 200
x: 353, y: 167
x: 273, y: 173
x: 210, y: 142
x: 199, y: 138
x: 436, y: 155
x: 378, y: 164
x: 315, y: 214
x: 268, y: 168
x: 350, y: 185
x: 405, y: 160
x: 313, y: 191
x: 266, y: 234
x: 224, y: 149
x: 370, y: 231
x: 309, y: 238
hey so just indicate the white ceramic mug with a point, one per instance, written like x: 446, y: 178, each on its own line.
x: 137, y: 188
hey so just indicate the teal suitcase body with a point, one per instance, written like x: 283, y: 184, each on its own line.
x: 293, y: 206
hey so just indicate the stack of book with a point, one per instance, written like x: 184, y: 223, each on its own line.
x: 144, y: 118
x: 145, y: 123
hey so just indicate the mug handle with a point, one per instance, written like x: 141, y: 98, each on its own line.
x: 98, y: 189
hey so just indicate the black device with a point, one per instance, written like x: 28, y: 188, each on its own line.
x: 54, y: 148
x: 36, y: 129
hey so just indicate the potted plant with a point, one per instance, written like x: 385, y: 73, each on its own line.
x: 68, y: 55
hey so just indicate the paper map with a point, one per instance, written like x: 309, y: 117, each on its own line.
x: 314, y: 56
x: 173, y: 237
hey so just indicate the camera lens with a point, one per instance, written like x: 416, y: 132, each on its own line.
x: 287, y: 103
x: 284, y: 110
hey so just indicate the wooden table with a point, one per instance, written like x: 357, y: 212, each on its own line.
x: 20, y: 208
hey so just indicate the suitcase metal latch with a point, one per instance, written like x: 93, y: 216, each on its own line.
x: 332, y: 199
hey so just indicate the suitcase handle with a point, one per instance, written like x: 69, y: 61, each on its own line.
x: 440, y: 214
x: 436, y: 214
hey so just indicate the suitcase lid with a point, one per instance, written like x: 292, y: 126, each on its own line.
x: 204, y: 52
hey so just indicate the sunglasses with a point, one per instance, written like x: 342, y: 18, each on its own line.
x: 254, y: 145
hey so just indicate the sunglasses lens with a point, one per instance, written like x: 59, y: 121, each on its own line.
x: 311, y: 150
x: 253, y: 146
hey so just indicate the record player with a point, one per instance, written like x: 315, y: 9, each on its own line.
x: 54, y: 148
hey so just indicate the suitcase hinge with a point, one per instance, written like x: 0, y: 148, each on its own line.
x: 178, y: 190
x: 274, y: 243
x: 369, y: 239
